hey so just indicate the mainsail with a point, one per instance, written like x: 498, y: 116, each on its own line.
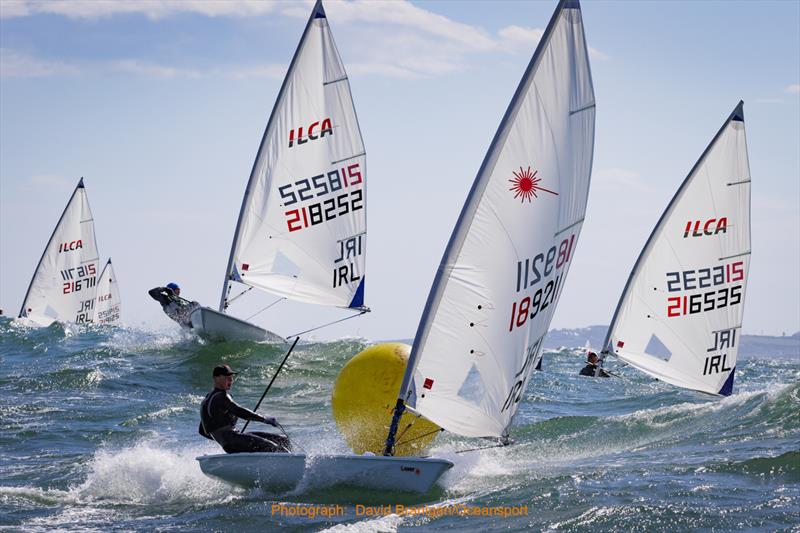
x: 679, y: 318
x: 498, y: 284
x: 63, y: 285
x: 107, y: 302
x: 302, y: 227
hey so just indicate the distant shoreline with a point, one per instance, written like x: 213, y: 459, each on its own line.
x: 751, y: 345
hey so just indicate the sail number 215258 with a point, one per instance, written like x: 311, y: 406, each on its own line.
x: 342, y: 187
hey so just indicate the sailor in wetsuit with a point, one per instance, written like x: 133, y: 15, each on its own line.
x: 173, y: 305
x: 219, y: 413
x: 594, y: 367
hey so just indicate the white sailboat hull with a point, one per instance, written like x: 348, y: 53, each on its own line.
x: 212, y: 324
x: 284, y: 471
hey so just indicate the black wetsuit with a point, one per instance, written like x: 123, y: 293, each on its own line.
x: 593, y: 371
x: 218, y: 417
x: 173, y: 305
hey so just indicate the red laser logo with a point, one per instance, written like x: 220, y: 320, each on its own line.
x: 525, y: 184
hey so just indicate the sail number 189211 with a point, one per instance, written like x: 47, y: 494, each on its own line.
x: 532, y: 272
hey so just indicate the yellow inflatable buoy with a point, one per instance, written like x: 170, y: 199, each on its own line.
x: 364, y: 396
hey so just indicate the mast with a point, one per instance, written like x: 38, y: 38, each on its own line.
x: 317, y: 12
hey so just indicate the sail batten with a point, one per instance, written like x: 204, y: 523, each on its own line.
x: 301, y: 233
x: 479, y: 336
x: 686, y: 290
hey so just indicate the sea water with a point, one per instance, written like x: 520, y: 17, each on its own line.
x: 98, y: 432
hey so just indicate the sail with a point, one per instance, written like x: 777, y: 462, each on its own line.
x: 302, y: 228
x: 63, y: 285
x: 679, y: 318
x: 107, y: 302
x: 505, y: 266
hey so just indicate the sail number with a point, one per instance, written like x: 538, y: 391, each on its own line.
x: 532, y: 272
x: 703, y: 278
x: 78, y: 284
x: 319, y: 186
x: 81, y: 271
x: 700, y: 303
x: 530, y: 307
x: 109, y: 315
x: 86, y: 278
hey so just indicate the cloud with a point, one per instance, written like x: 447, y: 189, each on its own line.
x: 594, y: 53
x: 153, y: 9
x: 402, y: 54
x: 518, y: 38
x: 404, y: 40
x: 15, y: 64
x: 408, y: 16
x: 792, y: 89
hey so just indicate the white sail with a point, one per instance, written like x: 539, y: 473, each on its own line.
x: 302, y: 227
x: 501, y: 276
x: 63, y: 285
x: 107, y: 301
x: 680, y: 314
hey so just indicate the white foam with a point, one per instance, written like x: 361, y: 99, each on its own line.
x: 650, y: 416
x: 148, y: 473
x: 384, y: 524
x: 134, y: 339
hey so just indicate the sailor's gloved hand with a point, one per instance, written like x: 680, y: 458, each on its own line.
x: 168, y: 291
x: 271, y: 421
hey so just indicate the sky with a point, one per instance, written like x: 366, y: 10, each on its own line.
x: 160, y: 106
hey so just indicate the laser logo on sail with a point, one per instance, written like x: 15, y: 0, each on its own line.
x: 525, y: 183
x: 712, y: 226
x: 315, y: 131
x: 70, y: 246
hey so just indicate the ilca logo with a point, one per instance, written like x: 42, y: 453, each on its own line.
x: 525, y: 184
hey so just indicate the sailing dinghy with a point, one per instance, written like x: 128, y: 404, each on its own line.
x: 107, y: 302
x: 63, y: 286
x: 301, y: 233
x: 679, y: 317
x: 498, y: 285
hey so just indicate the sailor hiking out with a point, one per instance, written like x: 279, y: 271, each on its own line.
x: 173, y: 305
x: 219, y: 414
x: 594, y: 367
